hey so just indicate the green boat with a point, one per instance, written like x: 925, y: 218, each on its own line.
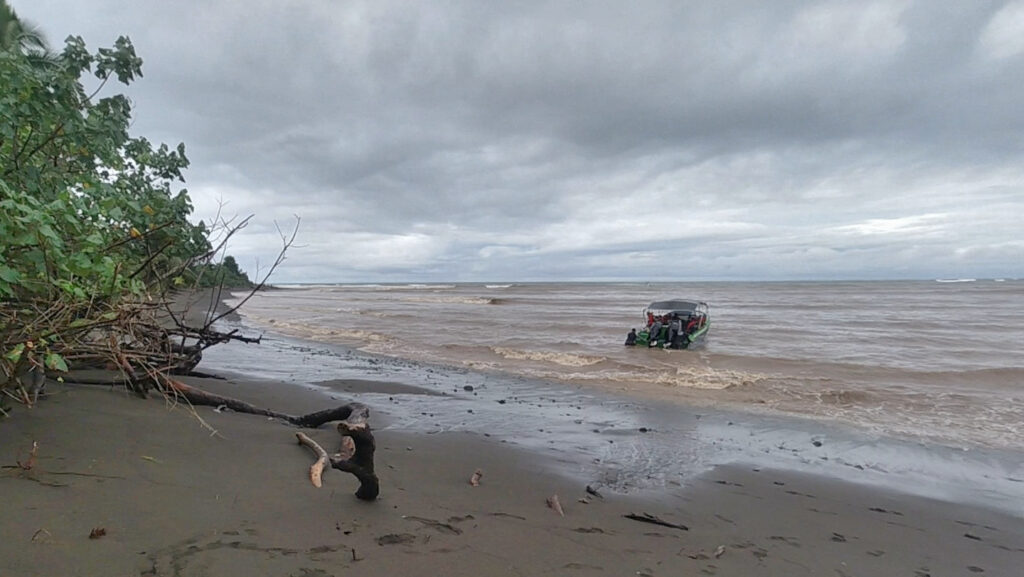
x: 673, y: 324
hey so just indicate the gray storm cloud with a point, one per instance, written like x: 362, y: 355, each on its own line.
x: 601, y: 140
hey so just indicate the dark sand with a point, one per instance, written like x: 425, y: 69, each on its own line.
x: 175, y: 499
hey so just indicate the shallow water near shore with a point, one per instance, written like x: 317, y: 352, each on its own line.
x: 621, y: 442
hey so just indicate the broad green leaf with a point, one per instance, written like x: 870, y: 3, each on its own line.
x: 9, y: 275
x: 14, y: 355
x: 56, y: 362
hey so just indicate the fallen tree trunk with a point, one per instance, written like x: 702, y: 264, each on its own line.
x: 358, y: 444
x: 200, y: 397
x: 354, y: 424
x: 310, y: 421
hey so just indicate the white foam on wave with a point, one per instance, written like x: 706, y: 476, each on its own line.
x: 377, y: 287
x: 450, y: 300
x: 313, y: 332
x: 706, y: 378
x: 417, y: 286
x: 563, y: 359
x: 682, y: 377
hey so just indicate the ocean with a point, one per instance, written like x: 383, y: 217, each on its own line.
x: 913, y: 383
x: 935, y: 360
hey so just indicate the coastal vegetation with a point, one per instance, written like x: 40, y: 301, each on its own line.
x: 94, y: 225
x: 225, y: 273
x: 95, y: 237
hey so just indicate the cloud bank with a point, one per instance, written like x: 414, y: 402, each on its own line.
x: 657, y: 140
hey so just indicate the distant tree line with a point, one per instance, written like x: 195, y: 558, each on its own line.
x: 225, y: 273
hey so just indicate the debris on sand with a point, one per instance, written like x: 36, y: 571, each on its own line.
x: 554, y: 504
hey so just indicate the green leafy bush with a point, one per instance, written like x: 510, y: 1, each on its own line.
x: 89, y: 215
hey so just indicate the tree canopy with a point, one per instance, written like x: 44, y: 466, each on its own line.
x: 91, y: 217
x: 17, y: 34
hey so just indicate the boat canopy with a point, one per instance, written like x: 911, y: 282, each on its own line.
x: 678, y: 306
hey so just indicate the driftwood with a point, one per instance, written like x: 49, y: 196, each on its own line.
x: 355, y: 456
x: 648, y: 518
x: 311, y: 421
x: 316, y: 470
x: 354, y: 424
x: 358, y: 445
x: 357, y: 427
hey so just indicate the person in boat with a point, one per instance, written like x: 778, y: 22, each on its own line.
x: 631, y: 338
x: 655, y: 333
x: 693, y: 323
x: 675, y: 330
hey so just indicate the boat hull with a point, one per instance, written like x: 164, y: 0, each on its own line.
x: 689, y: 341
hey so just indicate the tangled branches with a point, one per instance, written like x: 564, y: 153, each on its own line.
x: 143, y: 339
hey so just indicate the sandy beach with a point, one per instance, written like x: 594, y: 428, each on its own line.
x: 173, y: 498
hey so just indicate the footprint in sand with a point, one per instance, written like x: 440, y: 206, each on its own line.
x: 438, y: 526
x: 304, y: 572
x: 589, y: 530
x: 792, y: 542
x: 396, y: 539
x: 582, y: 566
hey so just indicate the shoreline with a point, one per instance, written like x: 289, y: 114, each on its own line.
x: 175, y: 500
x: 928, y: 403
x: 640, y: 445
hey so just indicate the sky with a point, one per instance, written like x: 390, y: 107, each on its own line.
x: 551, y: 141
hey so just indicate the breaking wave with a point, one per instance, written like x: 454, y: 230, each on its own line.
x: 564, y: 359
x: 698, y: 378
x: 451, y: 300
x: 705, y: 378
x: 317, y: 333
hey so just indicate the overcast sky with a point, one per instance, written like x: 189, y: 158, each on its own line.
x: 651, y: 140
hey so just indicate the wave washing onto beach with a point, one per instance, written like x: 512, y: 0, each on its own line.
x: 563, y: 359
x: 924, y: 359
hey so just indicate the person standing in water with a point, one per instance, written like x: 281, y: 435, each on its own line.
x: 675, y: 328
x: 631, y: 338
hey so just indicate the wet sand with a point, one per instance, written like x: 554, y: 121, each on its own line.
x: 175, y: 499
